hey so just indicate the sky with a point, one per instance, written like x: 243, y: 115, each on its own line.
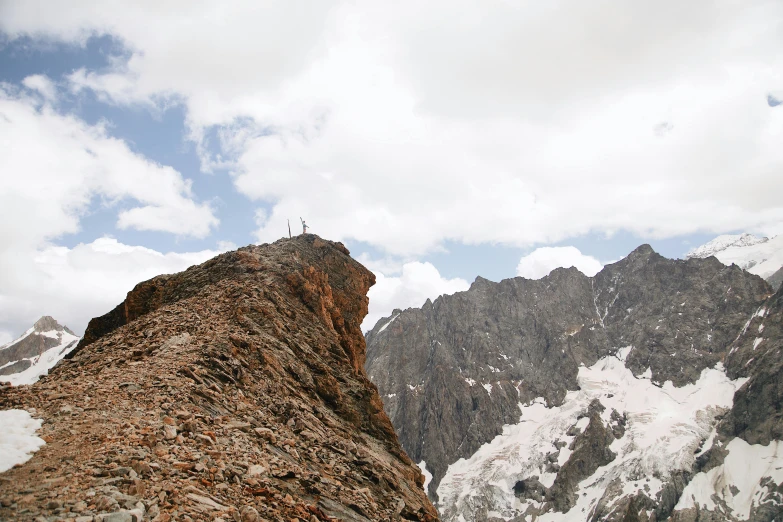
x: 438, y: 140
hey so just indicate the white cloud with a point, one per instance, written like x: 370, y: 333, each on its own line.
x: 225, y: 246
x: 54, y: 167
x: 386, y: 266
x: 518, y: 124
x: 43, y: 85
x: 76, y: 284
x: 416, y: 283
x: 543, y: 260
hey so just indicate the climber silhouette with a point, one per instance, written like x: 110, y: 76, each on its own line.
x: 304, y: 226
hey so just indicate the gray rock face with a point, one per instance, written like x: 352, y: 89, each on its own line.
x: 15, y: 367
x: 48, y: 324
x: 453, y: 372
x: 590, y: 451
x: 757, y: 353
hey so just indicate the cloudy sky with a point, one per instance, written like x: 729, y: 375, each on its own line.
x: 439, y: 140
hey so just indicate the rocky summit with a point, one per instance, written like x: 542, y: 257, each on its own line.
x: 649, y: 392
x: 234, y: 390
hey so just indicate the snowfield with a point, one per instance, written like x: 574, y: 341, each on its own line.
x: 744, y: 469
x: 665, y: 429
x: 18, y: 441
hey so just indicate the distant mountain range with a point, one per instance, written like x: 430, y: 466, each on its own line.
x: 758, y: 255
x: 36, y: 351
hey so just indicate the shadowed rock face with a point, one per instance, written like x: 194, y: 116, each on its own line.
x: 453, y: 372
x: 235, y: 389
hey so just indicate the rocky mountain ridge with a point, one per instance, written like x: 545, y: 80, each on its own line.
x: 536, y: 386
x: 234, y: 390
x: 25, y: 359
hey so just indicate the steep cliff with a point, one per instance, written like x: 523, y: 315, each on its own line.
x: 234, y: 390
x: 569, y: 394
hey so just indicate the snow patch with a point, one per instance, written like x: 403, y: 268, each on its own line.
x: 744, y: 468
x: 488, y: 387
x: 622, y: 353
x: 387, y: 324
x: 427, y: 475
x: 18, y: 441
x: 757, y: 342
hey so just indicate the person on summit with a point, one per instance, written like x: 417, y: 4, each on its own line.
x: 304, y: 226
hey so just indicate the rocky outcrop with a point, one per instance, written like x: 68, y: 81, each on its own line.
x: 454, y: 372
x: 589, y: 451
x: 232, y: 391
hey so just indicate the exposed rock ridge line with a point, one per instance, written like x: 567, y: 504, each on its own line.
x: 234, y: 390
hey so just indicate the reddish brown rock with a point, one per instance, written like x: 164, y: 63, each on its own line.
x: 254, y: 361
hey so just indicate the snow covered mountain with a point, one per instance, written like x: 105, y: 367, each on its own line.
x: 36, y: 351
x: 721, y: 243
x: 649, y: 391
x: 758, y: 255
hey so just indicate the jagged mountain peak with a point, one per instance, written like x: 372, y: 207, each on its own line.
x: 659, y: 329
x: 47, y: 323
x: 644, y: 250
x: 479, y: 281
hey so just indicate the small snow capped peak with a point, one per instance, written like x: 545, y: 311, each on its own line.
x: 47, y: 323
x: 723, y: 242
x: 35, y: 352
